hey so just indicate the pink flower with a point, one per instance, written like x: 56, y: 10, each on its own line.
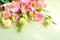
x: 25, y: 8
x: 16, y: 7
x: 34, y: 6
x: 44, y: 5
x: 38, y: 16
x: 25, y: 1
x: 7, y: 14
x: 16, y: 16
x: 40, y: 1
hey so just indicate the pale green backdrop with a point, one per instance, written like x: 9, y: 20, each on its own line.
x: 35, y: 31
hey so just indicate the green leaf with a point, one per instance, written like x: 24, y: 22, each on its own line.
x: 46, y: 11
x: 4, y: 1
x: 50, y: 17
x: 53, y: 22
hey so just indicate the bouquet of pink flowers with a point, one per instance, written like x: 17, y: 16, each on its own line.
x: 22, y: 11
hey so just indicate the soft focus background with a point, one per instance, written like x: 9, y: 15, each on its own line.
x: 35, y: 31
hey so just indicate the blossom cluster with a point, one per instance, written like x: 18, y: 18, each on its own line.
x: 24, y: 6
x: 22, y: 10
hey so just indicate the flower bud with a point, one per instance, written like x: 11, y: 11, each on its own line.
x: 8, y: 23
x: 30, y: 14
x: 46, y: 23
x: 13, y: 19
x: 25, y: 16
x: 22, y: 21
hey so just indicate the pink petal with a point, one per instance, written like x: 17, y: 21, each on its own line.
x: 7, y: 14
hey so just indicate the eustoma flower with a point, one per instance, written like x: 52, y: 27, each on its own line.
x: 21, y: 11
x: 16, y: 7
x: 38, y: 16
x: 7, y: 14
x: 24, y: 6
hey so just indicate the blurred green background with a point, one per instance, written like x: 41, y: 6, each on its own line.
x: 36, y: 31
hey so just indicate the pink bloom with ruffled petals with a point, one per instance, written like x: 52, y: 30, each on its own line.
x: 38, y: 16
x: 7, y: 14
x: 16, y: 7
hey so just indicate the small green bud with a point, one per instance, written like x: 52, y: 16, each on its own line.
x: 32, y: 19
x: 19, y: 29
x: 24, y: 16
x: 30, y: 14
x: 40, y: 9
x: 22, y: 21
x: 13, y: 19
x: 46, y: 23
